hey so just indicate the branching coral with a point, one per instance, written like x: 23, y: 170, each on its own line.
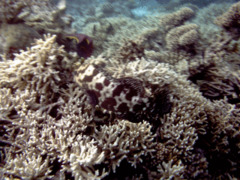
x: 57, y: 123
x: 177, y: 18
x: 47, y: 18
x: 10, y: 9
x: 60, y: 131
x: 182, y: 37
x: 38, y: 65
x: 15, y: 37
x: 170, y: 170
x: 28, y: 166
x: 23, y: 21
x: 120, y: 140
x: 42, y: 15
x: 230, y: 20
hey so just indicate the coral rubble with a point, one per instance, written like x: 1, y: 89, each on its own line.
x: 157, y: 100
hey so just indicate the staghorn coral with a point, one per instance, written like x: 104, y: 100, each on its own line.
x: 61, y: 132
x: 109, y: 34
x: 130, y: 50
x: 28, y: 166
x: 206, y: 17
x: 216, y: 73
x: 120, y: 140
x: 180, y: 129
x: 169, y: 170
x: 36, y: 65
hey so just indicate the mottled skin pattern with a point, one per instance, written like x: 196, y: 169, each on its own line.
x: 126, y: 97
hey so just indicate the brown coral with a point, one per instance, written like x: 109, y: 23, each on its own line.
x: 47, y: 121
x: 15, y: 37
x: 43, y: 16
x: 11, y: 10
x: 184, y: 36
x: 177, y: 18
x: 230, y: 20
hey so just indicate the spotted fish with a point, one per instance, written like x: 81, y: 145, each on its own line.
x: 127, y: 98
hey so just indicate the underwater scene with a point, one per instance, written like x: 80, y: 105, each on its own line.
x: 119, y: 89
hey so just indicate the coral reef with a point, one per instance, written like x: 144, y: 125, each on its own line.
x: 129, y: 98
x: 182, y: 36
x: 41, y: 15
x: 15, y: 37
x: 176, y: 19
x: 156, y: 100
x: 230, y: 20
x: 23, y: 21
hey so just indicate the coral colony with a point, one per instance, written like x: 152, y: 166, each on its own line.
x: 110, y: 89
